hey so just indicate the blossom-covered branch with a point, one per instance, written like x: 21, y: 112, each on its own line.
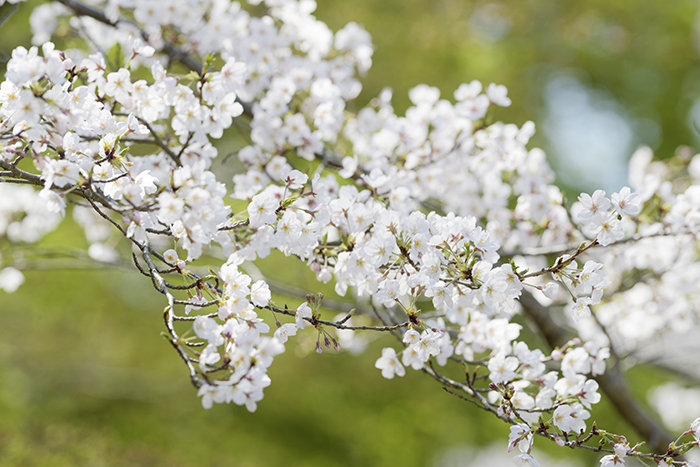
x: 439, y: 220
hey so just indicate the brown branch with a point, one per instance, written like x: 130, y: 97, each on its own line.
x: 561, y: 249
x: 168, y: 313
x: 335, y: 324
x: 560, y: 264
x: 17, y: 181
x: 34, y: 179
x: 87, y: 193
x: 8, y: 14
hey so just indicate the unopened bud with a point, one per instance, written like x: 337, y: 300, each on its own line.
x: 507, y: 411
x: 324, y: 275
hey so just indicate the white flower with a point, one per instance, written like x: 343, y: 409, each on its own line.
x: 102, y: 252
x: 119, y: 85
x: 626, y: 202
x: 498, y: 94
x: 283, y: 332
x: 260, y: 294
x: 208, y: 329
x: 617, y: 459
x: 10, y: 279
x: 209, y: 356
x: 210, y: 394
x: 54, y: 201
x: 294, y: 179
x: 502, y: 368
x: 551, y: 290
x: 589, y: 393
x: 171, y: 256
x: 389, y: 292
x: 525, y: 459
x: 262, y: 210
x: 580, y: 309
x: 349, y: 167
x: 610, y: 230
x: 468, y: 91
x: 592, y: 205
x: 570, y: 418
x: 304, y: 311
x: 236, y: 282
x: 520, y: 435
x: 389, y: 364
x: 695, y: 428
x: 411, y: 337
x: 28, y: 108
x: 428, y: 345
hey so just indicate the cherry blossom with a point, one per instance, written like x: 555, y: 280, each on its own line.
x: 390, y: 364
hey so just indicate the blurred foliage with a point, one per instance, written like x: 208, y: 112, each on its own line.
x: 87, y: 379
x: 641, y: 53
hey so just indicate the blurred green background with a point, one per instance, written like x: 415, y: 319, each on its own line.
x: 86, y: 379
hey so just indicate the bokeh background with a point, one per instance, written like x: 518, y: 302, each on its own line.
x: 86, y: 378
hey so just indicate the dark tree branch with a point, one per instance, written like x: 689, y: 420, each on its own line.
x: 8, y: 14
x: 612, y: 383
